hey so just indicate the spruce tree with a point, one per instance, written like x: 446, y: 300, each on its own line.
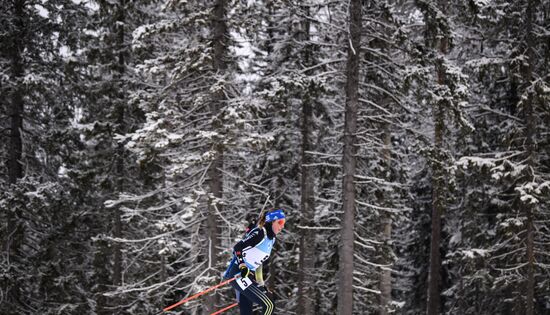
x: 38, y: 144
x: 502, y: 262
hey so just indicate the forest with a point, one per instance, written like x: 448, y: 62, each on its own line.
x: 408, y: 142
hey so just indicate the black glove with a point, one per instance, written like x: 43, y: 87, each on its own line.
x: 244, y: 270
x: 264, y: 289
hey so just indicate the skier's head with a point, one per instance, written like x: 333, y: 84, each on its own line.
x: 273, y: 215
x: 275, y: 219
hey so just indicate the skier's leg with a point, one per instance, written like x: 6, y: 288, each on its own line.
x: 255, y: 294
x: 245, y: 304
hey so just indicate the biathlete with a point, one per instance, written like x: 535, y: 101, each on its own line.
x: 248, y: 256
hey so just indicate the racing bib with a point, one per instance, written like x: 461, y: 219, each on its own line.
x: 243, y: 282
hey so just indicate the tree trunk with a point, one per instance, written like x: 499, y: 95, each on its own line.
x: 386, y: 224
x: 434, y: 278
x: 307, y: 204
x: 215, y: 170
x: 16, y: 147
x: 345, y: 286
x: 120, y: 129
x: 102, y: 277
x: 15, y: 234
x: 530, y: 150
x: 213, y: 231
x: 438, y: 190
x: 307, y: 240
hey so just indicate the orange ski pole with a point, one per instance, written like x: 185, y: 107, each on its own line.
x: 225, y: 309
x: 166, y: 309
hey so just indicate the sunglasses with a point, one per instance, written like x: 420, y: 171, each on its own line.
x: 281, y: 222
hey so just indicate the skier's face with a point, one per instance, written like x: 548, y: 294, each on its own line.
x: 278, y: 225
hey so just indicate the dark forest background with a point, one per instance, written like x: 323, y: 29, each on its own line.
x: 407, y: 140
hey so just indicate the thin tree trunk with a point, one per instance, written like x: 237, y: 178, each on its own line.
x: 386, y: 224
x: 215, y: 173
x: 101, y: 277
x: 307, y: 240
x: 345, y: 286
x: 434, y: 279
x: 213, y: 231
x: 385, y: 274
x: 120, y: 129
x: 15, y: 232
x: 530, y: 148
x: 16, y: 147
x: 438, y: 190
x: 438, y: 207
x: 307, y: 203
x: 530, y: 284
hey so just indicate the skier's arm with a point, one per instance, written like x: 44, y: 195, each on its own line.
x: 259, y: 273
x: 253, y: 239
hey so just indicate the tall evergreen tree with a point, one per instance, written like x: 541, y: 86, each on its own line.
x: 37, y: 145
x: 345, y: 285
x: 198, y: 131
x: 440, y: 84
x: 294, y: 91
x: 509, y: 88
x: 107, y: 170
x: 307, y: 202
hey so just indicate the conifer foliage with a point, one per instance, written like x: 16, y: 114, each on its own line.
x: 38, y: 196
x: 407, y: 141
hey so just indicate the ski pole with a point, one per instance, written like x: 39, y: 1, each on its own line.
x: 166, y: 309
x: 225, y: 309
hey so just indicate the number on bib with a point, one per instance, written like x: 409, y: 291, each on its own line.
x: 243, y: 282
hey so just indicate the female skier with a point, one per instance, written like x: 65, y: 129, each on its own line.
x: 248, y: 256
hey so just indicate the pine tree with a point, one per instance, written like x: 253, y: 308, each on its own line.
x: 438, y: 82
x: 380, y: 196
x: 293, y: 89
x: 38, y: 145
x: 501, y: 263
x: 346, y: 268
x: 307, y: 202
x: 198, y: 135
x: 106, y: 170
